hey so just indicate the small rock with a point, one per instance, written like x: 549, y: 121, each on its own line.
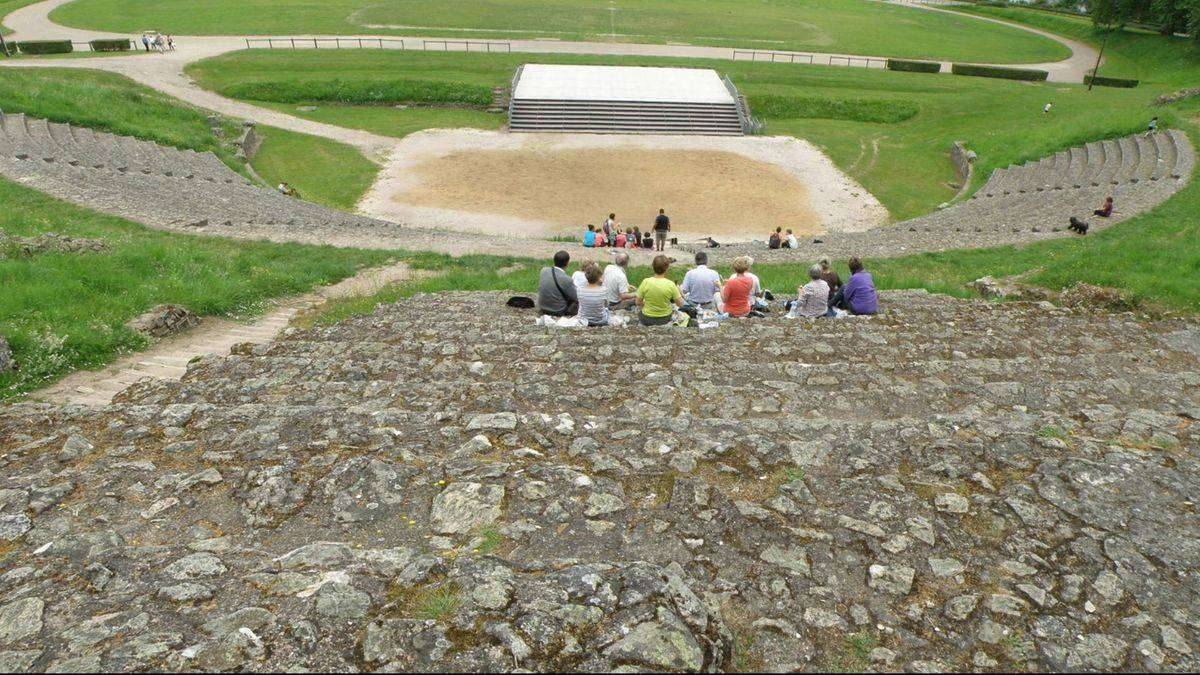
x: 960, y: 607
x: 896, y: 580
x: 464, y: 507
x: 823, y: 618
x: 946, y: 567
x: 195, y: 566
x: 601, y: 504
x: 186, y: 592
x: 1174, y: 640
x: 794, y: 558
x: 342, y: 601
x: 952, y: 502
x: 14, y: 527
x: 20, y: 619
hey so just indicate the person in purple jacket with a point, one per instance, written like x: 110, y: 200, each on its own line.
x: 858, y: 295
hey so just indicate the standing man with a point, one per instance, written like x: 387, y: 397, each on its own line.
x: 146, y: 41
x: 662, y: 225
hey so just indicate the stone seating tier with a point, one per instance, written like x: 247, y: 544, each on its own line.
x: 444, y: 485
x: 182, y: 190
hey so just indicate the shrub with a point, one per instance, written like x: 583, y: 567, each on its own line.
x: 362, y: 92
x: 813, y: 107
x: 1109, y: 82
x: 1002, y: 73
x: 110, y: 45
x: 913, y: 66
x: 46, y: 47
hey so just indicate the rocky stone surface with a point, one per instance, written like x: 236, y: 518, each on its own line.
x: 164, y: 320
x: 23, y: 247
x: 953, y: 484
x: 6, y: 357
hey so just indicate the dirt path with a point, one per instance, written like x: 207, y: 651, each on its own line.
x: 1072, y: 69
x: 168, y: 359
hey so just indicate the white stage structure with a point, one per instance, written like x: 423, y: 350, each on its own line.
x: 625, y: 100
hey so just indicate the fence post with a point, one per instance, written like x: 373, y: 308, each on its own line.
x: 315, y: 44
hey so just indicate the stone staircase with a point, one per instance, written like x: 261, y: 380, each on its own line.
x: 151, y: 183
x: 1031, y: 202
x: 444, y: 485
x: 624, y: 117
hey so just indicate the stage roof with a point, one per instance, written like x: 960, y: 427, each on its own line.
x: 621, y: 83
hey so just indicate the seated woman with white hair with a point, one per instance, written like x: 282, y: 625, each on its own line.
x: 812, y: 299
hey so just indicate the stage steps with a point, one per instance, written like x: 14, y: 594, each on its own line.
x: 531, y: 115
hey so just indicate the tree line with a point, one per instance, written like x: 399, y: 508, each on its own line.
x: 1171, y: 16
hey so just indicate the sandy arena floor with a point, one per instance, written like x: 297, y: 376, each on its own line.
x: 540, y: 185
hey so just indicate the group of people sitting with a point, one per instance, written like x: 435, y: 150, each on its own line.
x: 613, y: 235
x: 779, y: 240
x: 617, y: 237
x: 593, y: 295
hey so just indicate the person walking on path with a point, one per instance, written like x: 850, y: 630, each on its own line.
x: 146, y: 41
x: 662, y: 225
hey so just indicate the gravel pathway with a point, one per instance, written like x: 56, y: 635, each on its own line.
x: 168, y: 359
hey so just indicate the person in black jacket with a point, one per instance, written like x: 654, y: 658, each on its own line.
x: 556, y: 292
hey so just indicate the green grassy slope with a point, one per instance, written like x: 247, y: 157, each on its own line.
x: 112, y: 103
x: 904, y: 163
x: 839, y: 26
x: 1151, y: 58
x: 323, y: 171
x: 62, y: 312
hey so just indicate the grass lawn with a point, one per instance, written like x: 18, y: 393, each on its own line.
x: 391, y: 121
x: 62, y: 312
x: 1134, y: 54
x: 323, y: 171
x: 839, y: 26
x: 111, y: 103
x: 904, y: 163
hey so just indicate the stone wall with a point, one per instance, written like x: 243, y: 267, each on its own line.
x: 164, y: 320
x: 249, y: 142
x: 962, y: 159
x: 23, y: 247
x: 6, y: 357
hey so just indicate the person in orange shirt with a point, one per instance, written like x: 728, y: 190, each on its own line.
x: 737, y: 291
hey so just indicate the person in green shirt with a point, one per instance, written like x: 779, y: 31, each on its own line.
x: 657, y: 294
